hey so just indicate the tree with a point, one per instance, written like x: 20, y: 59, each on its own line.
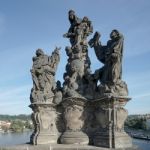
x: 28, y: 125
x: 17, y: 126
x: 136, y: 123
x: 5, y: 128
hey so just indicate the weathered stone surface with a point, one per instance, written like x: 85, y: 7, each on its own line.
x: 110, y: 117
x: 43, y: 76
x: 89, y: 108
x: 74, y: 117
x: 44, y: 117
x: 78, y: 62
x: 45, y: 95
x: 111, y: 56
x: 79, y: 29
x: 61, y: 147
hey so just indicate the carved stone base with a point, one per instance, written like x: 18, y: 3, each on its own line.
x: 110, y: 116
x: 74, y: 116
x: 74, y: 138
x: 119, y: 140
x: 44, y: 138
x: 122, y: 140
x: 44, y: 118
x: 102, y: 139
x: 60, y: 147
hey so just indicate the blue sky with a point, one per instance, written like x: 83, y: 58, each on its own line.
x: 26, y: 25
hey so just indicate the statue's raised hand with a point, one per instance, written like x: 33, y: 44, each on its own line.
x: 65, y: 35
x: 95, y: 40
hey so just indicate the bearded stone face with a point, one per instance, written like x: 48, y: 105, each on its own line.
x: 114, y: 34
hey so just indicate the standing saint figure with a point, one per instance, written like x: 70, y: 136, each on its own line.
x: 79, y: 29
x: 111, y: 56
x: 43, y: 75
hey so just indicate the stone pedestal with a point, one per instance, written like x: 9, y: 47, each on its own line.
x: 110, y: 116
x: 59, y: 147
x: 44, y: 118
x: 74, y: 117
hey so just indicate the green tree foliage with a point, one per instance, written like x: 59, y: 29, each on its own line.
x: 4, y: 128
x: 14, y: 117
x: 17, y: 126
x: 136, y: 123
x: 28, y: 125
x: 18, y: 122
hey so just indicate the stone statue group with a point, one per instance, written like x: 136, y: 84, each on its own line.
x: 50, y: 99
x: 78, y: 79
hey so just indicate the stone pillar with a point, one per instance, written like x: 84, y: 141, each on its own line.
x: 74, y: 117
x: 44, y: 117
x: 110, y: 116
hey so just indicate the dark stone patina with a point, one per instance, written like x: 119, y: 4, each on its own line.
x: 45, y: 96
x: 89, y: 107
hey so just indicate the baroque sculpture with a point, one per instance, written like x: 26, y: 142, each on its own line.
x: 75, y: 83
x: 89, y: 107
x: 111, y: 94
x: 43, y: 72
x: 78, y: 62
x: 111, y: 56
x: 45, y: 96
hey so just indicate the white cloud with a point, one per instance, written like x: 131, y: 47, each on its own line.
x: 15, y: 109
x: 141, y: 110
x: 139, y: 105
x: 141, y: 96
x: 15, y: 100
x: 15, y: 95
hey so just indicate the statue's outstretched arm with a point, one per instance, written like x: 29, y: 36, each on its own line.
x: 94, y: 42
x: 98, y: 48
